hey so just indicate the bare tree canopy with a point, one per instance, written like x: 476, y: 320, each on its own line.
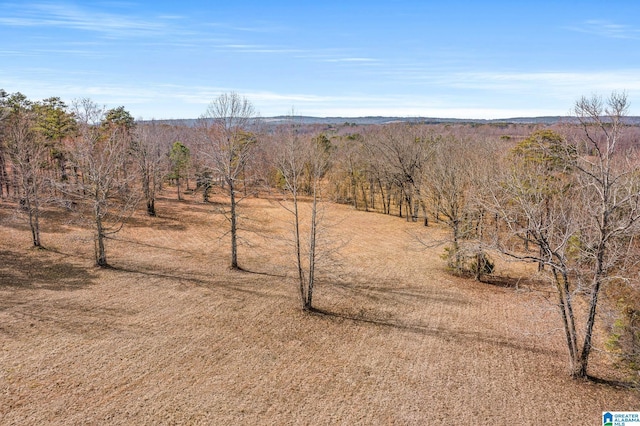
x: 301, y: 161
x: 26, y: 148
x: 227, y: 144
x: 100, y: 151
x: 577, y: 201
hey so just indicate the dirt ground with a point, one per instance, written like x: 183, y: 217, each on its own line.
x: 170, y: 335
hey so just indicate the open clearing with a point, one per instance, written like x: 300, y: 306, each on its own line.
x: 171, y: 336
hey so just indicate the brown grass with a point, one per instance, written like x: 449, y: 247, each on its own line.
x: 170, y: 335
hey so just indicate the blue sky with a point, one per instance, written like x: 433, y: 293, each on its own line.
x: 463, y: 59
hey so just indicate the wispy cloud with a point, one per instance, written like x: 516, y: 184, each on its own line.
x: 536, y: 81
x: 352, y: 60
x: 254, y: 48
x: 205, y: 94
x: 551, y: 82
x: 162, y: 30
x: 73, y: 17
x: 265, y: 96
x: 607, y: 29
x: 256, y: 28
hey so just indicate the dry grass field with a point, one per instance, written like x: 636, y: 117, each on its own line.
x: 170, y: 335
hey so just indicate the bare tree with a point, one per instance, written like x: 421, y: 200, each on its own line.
x: 453, y: 179
x: 151, y: 146
x: 228, y: 140
x: 610, y: 181
x: 302, y: 160
x: 4, y: 175
x: 405, y: 148
x: 380, y: 174
x: 99, y: 155
x: 578, y: 202
x: 27, y: 151
x: 350, y: 167
x: 535, y: 200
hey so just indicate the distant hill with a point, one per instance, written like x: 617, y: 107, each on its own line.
x: 359, y: 121
x: 425, y: 120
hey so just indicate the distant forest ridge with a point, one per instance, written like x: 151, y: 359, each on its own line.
x: 634, y: 121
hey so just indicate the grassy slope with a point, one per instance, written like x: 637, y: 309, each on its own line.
x: 171, y: 336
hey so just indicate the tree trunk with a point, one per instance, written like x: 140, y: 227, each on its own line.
x: 364, y: 197
x: 29, y: 183
x: 456, y: 246
x: 354, y: 191
x: 424, y: 212
x: 301, y: 277
x: 566, y: 312
x: 388, y: 198
x: 372, y: 194
x: 34, y: 221
x: 540, y: 263
x: 62, y: 165
x: 147, y: 189
x: 4, y: 178
x: 382, y: 197
x: 151, y: 207
x: 409, y: 208
x: 15, y: 182
x: 593, y: 304
x: 100, y: 252
x: 312, y: 251
x: 234, y: 242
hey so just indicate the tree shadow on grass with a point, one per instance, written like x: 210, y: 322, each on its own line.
x: 174, y: 207
x: 155, y: 246
x: 22, y: 225
x: 463, y: 337
x: 394, y: 291
x: 199, y: 281
x: 617, y: 384
x: 160, y: 222
x: 264, y: 273
x: 42, y: 270
x: 163, y: 275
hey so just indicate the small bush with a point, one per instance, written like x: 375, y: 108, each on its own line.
x: 482, y: 264
x: 476, y: 262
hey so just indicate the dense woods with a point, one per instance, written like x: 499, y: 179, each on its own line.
x: 565, y: 196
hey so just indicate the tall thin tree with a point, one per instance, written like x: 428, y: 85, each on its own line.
x: 301, y: 162
x: 27, y: 152
x: 99, y: 155
x: 228, y: 136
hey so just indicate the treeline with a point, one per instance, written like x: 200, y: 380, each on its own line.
x: 566, y: 197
